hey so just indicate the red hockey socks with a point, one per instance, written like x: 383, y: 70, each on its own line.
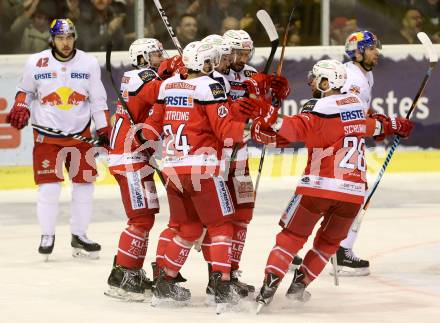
x: 165, y: 237
x: 313, y: 263
x: 132, y: 248
x: 221, y: 248
x: 175, y: 255
x: 238, y: 239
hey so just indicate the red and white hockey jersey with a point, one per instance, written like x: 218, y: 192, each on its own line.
x: 333, y: 129
x: 194, y: 118
x: 139, y: 89
x: 236, y: 80
x: 358, y: 83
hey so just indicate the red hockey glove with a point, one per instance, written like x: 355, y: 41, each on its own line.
x: 397, y: 126
x: 280, y: 88
x: 19, y: 115
x: 270, y: 117
x: 258, y: 84
x: 249, y: 108
x: 104, y: 137
x: 260, y: 133
x: 171, y: 65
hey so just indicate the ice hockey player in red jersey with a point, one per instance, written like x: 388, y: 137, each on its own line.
x: 63, y: 86
x: 333, y: 127
x: 129, y: 163
x: 194, y: 116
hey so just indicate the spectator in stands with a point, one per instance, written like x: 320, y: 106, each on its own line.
x: 411, y: 24
x: 229, y: 23
x: 32, y: 27
x: 340, y: 28
x: 99, y: 25
x: 187, y: 29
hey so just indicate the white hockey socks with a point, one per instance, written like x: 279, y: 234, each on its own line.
x: 81, y: 207
x: 47, y: 206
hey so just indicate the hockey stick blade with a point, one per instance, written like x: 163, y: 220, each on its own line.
x: 426, y: 42
x: 271, y: 31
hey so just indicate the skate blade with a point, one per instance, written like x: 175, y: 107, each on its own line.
x: 299, y: 299
x: 81, y: 253
x: 168, y: 302
x: 123, y: 295
x: 358, y: 272
x: 259, y: 308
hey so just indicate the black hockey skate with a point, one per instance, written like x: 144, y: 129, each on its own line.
x: 297, y: 290
x: 128, y: 284
x: 224, y: 292
x: 242, y: 288
x: 296, y: 262
x: 156, y: 270
x: 350, y: 265
x: 46, y: 245
x: 267, y: 291
x: 84, y: 247
x: 168, y: 290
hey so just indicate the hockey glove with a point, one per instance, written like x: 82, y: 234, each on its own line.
x: 19, y: 115
x: 258, y: 84
x: 171, y: 65
x: 104, y: 137
x: 392, y: 126
x: 280, y: 88
x: 261, y: 134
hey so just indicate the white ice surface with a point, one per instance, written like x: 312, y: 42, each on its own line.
x: 400, y: 236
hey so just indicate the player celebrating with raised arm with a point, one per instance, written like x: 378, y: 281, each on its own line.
x: 130, y: 166
x: 334, y: 128
x: 194, y: 115
x: 363, y: 50
x: 64, y: 86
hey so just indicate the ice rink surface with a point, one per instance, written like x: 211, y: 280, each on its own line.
x: 400, y: 236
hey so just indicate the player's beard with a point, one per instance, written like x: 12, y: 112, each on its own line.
x: 62, y: 54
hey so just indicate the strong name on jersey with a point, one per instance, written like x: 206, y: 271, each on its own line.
x: 139, y: 89
x: 194, y: 116
x: 65, y: 94
x: 334, y: 130
x: 358, y: 83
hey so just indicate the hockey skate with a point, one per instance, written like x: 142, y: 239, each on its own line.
x: 224, y: 292
x: 350, y: 265
x: 296, y: 262
x: 168, y: 291
x: 242, y: 288
x: 84, y: 247
x: 267, y: 291
x: 46, y: 246
x: 178, y: 279
x: 297, y: 290
x: 128, y: 285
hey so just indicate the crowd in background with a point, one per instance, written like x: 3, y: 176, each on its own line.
x: 24, y: 23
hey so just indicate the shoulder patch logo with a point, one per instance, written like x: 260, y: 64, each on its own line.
x: 355, y: 89
x: 249, y: 73
x: 222, y: 111
x: 147, y: 75
x: 309, y: 106
x: 218, y: 92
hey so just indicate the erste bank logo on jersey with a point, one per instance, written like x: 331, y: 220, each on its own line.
x: 181, y: 101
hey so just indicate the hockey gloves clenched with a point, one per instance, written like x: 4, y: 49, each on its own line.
x: 261, y: 133
x: 249, y: 108
x: 19, y: 115
x: 258, y: 84
x: 104, y: 137
x: 280, y: 88
x: 393, y: 126
x: 170, y: 66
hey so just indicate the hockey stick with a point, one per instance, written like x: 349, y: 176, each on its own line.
x: 278, y: 73
x: 108, y: 67
x: 52, y: 131
x: 168, y: 26
x: 433, y: 59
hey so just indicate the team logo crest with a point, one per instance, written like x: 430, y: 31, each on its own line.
x: 222, y: 111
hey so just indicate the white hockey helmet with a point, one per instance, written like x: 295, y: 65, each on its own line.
x: 239, y: 39
x: 332, y: 70
x: 143, y: 47
x: 196, y: 53
x: 218, y: 41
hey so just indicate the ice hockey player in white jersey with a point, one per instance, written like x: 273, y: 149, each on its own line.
x: 61, y: 89
x: 362, y: 48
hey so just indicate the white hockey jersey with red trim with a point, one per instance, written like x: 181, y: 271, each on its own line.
x: 236, y: 80
x: 65, y: 94
x: 333, y: 129
x: 358, y: 83
x: 195, y: 120
x: 139, y: 89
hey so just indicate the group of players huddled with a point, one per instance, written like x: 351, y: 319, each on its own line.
x: 201, y: 108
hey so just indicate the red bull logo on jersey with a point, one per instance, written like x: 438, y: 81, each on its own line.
x: 180, y: 101
x: 63, y: 98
